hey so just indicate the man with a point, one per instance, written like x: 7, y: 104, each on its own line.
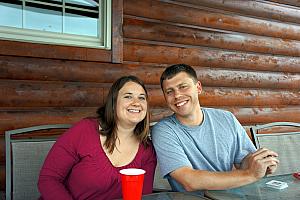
x: 198, y: 148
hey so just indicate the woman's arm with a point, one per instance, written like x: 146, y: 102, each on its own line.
x: 59, y: 162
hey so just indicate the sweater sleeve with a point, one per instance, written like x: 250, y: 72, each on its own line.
x: 58, y: 164
x: 149, y: 165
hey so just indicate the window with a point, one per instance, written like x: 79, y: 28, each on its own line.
x: 70, y: 22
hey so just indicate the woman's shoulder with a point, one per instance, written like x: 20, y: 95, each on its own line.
x: 80, y: 127
x: 85, y: 124
x: 148, y: 155
x: 147, y: 149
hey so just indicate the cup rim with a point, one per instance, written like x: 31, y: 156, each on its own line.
x: 132, y: 171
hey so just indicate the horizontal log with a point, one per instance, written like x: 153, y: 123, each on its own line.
x: 211, y: 19
x: 288, y: 2
x: 53, y: 51
x: 38, y: 94
x: 155, y: 31
x: 142, y: 51
x: 264, y: 9
x: 23, y: 68
x: 249, y: 116
x: 48, y: 94
x: 247, y: 79
x: 13, y: 118
x: 19, y: 68
x: 248, y: 97
x: 217, y: 96
x: 262, y: 115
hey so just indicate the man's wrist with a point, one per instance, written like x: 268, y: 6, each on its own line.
x: 250, y: 176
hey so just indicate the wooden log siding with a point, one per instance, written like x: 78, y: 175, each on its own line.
x: 12, y: 118
x: 41, y: 94
x: 263, y: 9
x: 216, y: 97
x: 211, y: 19
x: 74, y: 71
x: 53, y: 51
x: 159, y: 31
x: 55, y: 70
x: 47, y: 94
x: 263, y: 115
x: 288, y: 2
x: 246, y: 54
x: 145, y: 51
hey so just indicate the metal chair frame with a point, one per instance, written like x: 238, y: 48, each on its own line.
x: 255, y: 135
x: 255, y: 128
x: 9, y: 141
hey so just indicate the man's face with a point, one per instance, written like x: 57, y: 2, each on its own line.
x: 181, y: 94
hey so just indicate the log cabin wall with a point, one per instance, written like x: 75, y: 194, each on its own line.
x: 246, y: 54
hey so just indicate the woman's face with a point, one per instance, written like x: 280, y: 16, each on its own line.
x: 131, y: 104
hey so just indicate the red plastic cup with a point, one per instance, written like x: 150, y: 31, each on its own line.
x: 132, y: 183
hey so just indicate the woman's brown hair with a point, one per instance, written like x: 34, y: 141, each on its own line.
x: 107, y: 115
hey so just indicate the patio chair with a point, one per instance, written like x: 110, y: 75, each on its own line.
x: 25, y: 154
x: 160, y: 184
x: 283, y: 138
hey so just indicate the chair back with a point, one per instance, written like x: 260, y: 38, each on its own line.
x: 25, y: 155
x: 283, y: 138
x: 160, y: 184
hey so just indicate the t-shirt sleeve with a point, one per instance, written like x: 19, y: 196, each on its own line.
x: 149, y: 165
x: 60, y: 159
x: 169, y: 151
x: 244, y: 145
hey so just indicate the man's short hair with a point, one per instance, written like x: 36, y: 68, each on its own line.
x: 173, y: 70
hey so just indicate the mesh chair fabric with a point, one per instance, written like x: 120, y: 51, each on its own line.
x: 288, y: 148
x: 28, y: 158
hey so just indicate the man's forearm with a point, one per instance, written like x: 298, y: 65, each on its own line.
x: 206, y: 180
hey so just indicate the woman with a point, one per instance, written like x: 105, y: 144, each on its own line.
x: 85, y: 161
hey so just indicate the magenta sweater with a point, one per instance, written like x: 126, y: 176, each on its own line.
x: 78, y: 168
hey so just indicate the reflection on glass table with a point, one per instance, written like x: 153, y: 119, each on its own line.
x: 260, y: 191
x: 173, y: 196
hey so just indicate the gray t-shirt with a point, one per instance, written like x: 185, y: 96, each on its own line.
x: 215, y: 145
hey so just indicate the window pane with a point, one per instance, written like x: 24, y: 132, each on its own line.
x: 87, y: 3
x: 43, y: 17
x: 11, y: 15
x: 81, y: 25
x: 66, y: 22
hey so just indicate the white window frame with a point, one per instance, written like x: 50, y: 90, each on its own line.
x: 43, y: 37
